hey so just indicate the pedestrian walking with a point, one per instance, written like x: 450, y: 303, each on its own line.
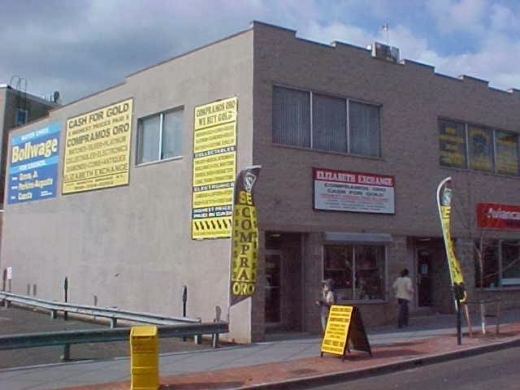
x: 328, y: 298
x: 403, y: 289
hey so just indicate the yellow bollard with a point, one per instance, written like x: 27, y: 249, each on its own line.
x: 144, y: 358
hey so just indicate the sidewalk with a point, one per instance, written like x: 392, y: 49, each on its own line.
x: 278, y: 364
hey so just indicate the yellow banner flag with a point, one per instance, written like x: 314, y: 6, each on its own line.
x: 444, y: 196
x: 244, y: 251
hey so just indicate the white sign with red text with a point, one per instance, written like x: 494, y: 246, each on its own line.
x: 353, y: 191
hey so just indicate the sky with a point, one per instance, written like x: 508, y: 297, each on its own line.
x: 80, y: 47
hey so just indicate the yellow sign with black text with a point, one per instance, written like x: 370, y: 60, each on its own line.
x: 97, y: 149
x: 214, y: 168
x: 244, y: 252
x: 344, y: 327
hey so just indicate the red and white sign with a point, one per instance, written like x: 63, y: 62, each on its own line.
x: 353, y: 191
x: 498, y: 216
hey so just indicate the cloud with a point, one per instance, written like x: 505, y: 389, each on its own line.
x: 458, y: 15
x: 93, y: 44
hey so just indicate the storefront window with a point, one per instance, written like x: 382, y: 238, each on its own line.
x: 500, y: 264
x: 358, y: 271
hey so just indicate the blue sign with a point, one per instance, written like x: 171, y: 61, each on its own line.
x: 33, y: 167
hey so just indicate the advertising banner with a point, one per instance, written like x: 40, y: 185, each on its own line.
x: 244, y: 251
x: 33, y: 166
x: 97, y: 149
x: 214, y: 169
x: 498, y: 216
x: 345, y: 331
x: 353, y: 191
x: 444, y: 196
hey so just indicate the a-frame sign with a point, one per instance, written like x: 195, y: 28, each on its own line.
x: 344, y: 331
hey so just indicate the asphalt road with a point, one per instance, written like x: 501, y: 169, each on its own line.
x: 15, y: 321
x: 493, y: 370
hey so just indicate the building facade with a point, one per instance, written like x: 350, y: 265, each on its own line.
x: 127, y: 192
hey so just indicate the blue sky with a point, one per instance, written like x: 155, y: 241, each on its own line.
x: 80, y: 47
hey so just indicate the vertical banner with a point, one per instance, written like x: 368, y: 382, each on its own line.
x: 244, y: 251
x: 214, y: 169
x: 444, y: 192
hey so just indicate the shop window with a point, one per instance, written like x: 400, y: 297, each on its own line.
x: 159, y: 137
x: 500, y: 264
x: 327, y: 123
x: 358, y: 271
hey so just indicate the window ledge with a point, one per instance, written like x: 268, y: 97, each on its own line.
x: 326, y: 151
x: 146, y: 164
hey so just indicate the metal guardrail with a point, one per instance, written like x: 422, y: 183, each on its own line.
x: 167, y: 326
x: 68, y: 337
x: 95, y: 311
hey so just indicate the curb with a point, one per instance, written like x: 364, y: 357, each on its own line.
x: 334, y: 378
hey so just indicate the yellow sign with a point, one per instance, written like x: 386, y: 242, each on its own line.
x: 97, y: 149
x: 344, y: 328
x: 336, y: 333
x: 214, y: 168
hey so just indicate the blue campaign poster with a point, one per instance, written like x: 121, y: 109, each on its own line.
x: 33, y: 167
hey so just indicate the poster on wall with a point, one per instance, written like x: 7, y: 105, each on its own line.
x: 214, y: 169
x: 244, y: 251
x: 97, y: 149
x: 353, y: 191
x: 33, y: 164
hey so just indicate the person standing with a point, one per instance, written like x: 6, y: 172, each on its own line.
x: 328, y: 298
x: 403, y: 289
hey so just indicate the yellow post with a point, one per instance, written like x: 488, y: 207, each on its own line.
x: 144, y: 358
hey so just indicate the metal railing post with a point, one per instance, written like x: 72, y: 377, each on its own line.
x: 66, y: 289
x: 184, y: 301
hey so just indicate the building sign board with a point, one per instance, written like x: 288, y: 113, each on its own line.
x: 353, y: 191
x: 214, y: 169
x: 97, y: 149
x: 34, y: 164
x: 498, y: 216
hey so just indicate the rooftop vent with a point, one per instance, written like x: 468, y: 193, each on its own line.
x: 385, y: 52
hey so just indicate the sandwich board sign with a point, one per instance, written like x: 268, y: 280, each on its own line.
x: 344, y: 331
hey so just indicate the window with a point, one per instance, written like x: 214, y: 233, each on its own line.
x: 357, y: 271
x: 452, y: 142
x: 159, y: 137
x: 507, y: 153
x: 291, y: 117
x: 501, y: 264
x: 21, y: 116
x: 364, y: 129
x: 478, y: 148
x: 328, y: 123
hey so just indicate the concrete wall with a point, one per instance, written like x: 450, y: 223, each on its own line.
x: 131, y: 246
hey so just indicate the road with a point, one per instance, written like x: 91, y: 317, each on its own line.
x: 15, y: 321
x: 493, y: 370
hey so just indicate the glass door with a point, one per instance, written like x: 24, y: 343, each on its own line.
x: 272, y: 287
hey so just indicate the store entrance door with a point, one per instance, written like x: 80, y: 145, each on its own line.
x: 424, y: 278
x: 273, y: 260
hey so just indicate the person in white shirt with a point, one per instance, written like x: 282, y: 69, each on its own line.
x: 403, y: 289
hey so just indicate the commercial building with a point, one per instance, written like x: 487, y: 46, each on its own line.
x: 130, y: 191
